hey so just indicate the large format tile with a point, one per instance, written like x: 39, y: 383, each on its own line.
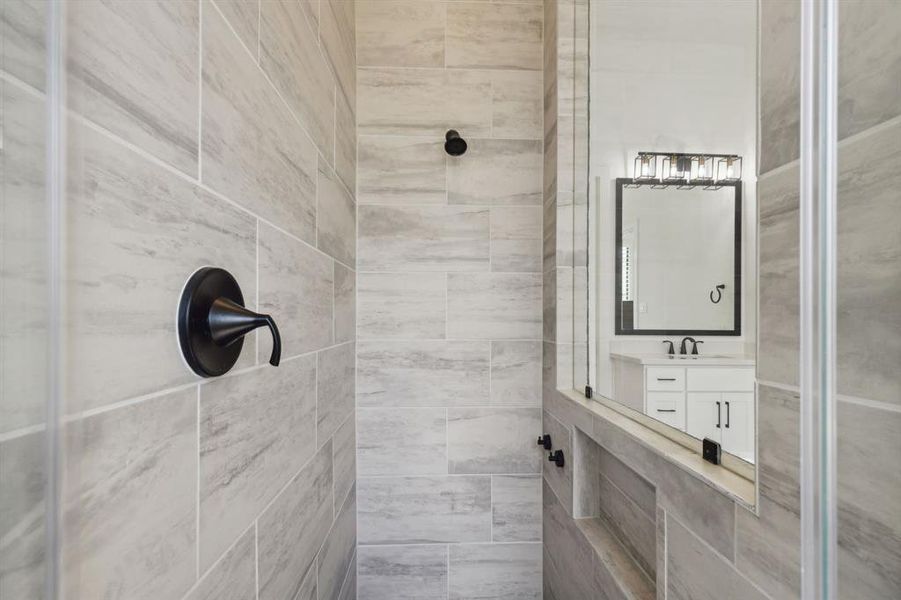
x: 130, y: 516
x: 497, y: 173
x: 559, y: 480
x: 346, y: 141
x: 252, y: 149
x: 493, y: 440
x: 22, y: 518
x: 337, y: 35
x: 297, y: 289
x: 344, y: 447
x: 517, y: 105
x: 494, y: 571
x: 402, y: 441
x: 256, y: 430
x: 516, y: 373
x: 401, y: 305
x: 244, y: 17
x: 290, y: 56
x: 516, y: 508
x: 869, y: 263
x: 401, y: 170
x: 338, y: 550
x: 336, y: 217
x: 494, y: 306
x: 335, y: 395
x: 569, y: 564
x: 516, y: 239
x: 423, y: 238
x: 422, y: 373
x: 411, y: 510
x: 400, y: 33
x: 779, y: 452
x: 423, y: 101
x: 234, y: 577
x: 780, y: 87
x: 869, y: 501
x: 136, y: 233
x: 496, y: 36
x: 695, y: 572
x: 767, y: 548
x: 635, y: 487
x: 132, y: 69
x: 402, y: 572
x: 349, y: 588
x: 23, y: 26
x: 293, y: 528
x: 777, y: 355
x: 345, y: 290
x: 635, y: 529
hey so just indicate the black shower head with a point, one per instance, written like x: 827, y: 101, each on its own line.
x: 454, y: 144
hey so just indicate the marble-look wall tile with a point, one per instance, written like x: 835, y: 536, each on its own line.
x: 402, y: 441
x: 423, y: 101
x: 516, y: 239
x: 586, y: 461
x: 234, y: 576
x: 568, y: 562
x: 345, y: 290
x: 516, y: 103
x: 338, y: 550
x: 22, y: 492
x: 400, y: 33
x: 632, y: 526
x: 780, y: 87
x: 132, y: 69
x: 779, y: 452
x: 495, y: 36
x: 294, y: 526
x: 869, y: 258
x: 559, y: 480
x: 256, y: 430
x: 767, y: 548
x: 307, y: 590
x: 493, y: 440
x: 516, y: 508
x: 869, y: 501
x: 401, y: 305
x: 635, y: 487
x: 494, y: 306
x: 423, y: 238
x: 349, y: 588
x: 136, y: 235
x: 695, y: 572
x: 23, y: 29
x: 244, y: 17
x: 422, y: 373
x: 344, y: 447
x: 338, y: 37
x: 411, y: 510
x: 494, y: 571
x: 496, y: 172
x: 402, y: 572
x: 346, y: 141
x: 516, y: 373
x: 336, y: 217
x: 253, y: 150
x: 401, y: 170
x: 335, y: 394
x: 290, y: 56
x: 116, y: 542
x: 297, y: 289
x: 777, y: 354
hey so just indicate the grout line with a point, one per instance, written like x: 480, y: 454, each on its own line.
x: 197, y: 493
x: 218, y: 560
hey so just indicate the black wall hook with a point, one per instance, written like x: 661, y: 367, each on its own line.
x: 719, y: 293
x: 453, y: 143
x: 212, y: 323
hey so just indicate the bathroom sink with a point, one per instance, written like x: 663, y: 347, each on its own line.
x: 707, y: 359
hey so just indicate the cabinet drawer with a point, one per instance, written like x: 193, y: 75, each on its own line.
x: 665, y: 379
x: 667, y: 407
x: 720, y: 379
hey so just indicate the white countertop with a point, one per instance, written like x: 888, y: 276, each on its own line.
x: 686, y: 360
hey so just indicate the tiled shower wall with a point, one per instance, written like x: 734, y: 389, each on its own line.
x: 707, y: 545
x: 449, y: 291
x: 200, y: 134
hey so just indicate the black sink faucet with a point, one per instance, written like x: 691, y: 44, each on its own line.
x: 683, y: 349
x: 670, y: 349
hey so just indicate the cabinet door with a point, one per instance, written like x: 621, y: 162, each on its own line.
x: 704, y: 414
x: 738, y: 424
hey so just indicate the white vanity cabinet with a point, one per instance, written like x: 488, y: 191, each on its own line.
x: 704, y: 398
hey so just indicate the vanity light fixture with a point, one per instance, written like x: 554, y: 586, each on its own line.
x: 685, y: 170
x: 728, y: 168
x: 645, y: 168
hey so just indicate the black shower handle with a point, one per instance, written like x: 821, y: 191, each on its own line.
x: 229, y: 321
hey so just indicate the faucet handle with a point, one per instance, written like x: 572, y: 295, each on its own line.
x: 694, y: 347
x: 671, y: 350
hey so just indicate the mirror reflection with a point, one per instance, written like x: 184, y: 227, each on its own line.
x: 672, y: 169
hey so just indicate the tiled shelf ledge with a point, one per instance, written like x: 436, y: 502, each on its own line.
x: 591, y: 417
x: 621, y: 569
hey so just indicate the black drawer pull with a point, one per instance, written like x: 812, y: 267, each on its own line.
x: 666, y: 410
x: 666, y: 379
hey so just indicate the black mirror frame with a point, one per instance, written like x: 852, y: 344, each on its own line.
x: 622, y: 182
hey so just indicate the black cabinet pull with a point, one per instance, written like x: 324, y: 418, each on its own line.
x: 728, y: 418
x: 718, y: 415
x: 666, y: 410
x: 666, y: 379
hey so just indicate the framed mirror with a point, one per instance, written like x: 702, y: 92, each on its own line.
x: 678, y: 259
